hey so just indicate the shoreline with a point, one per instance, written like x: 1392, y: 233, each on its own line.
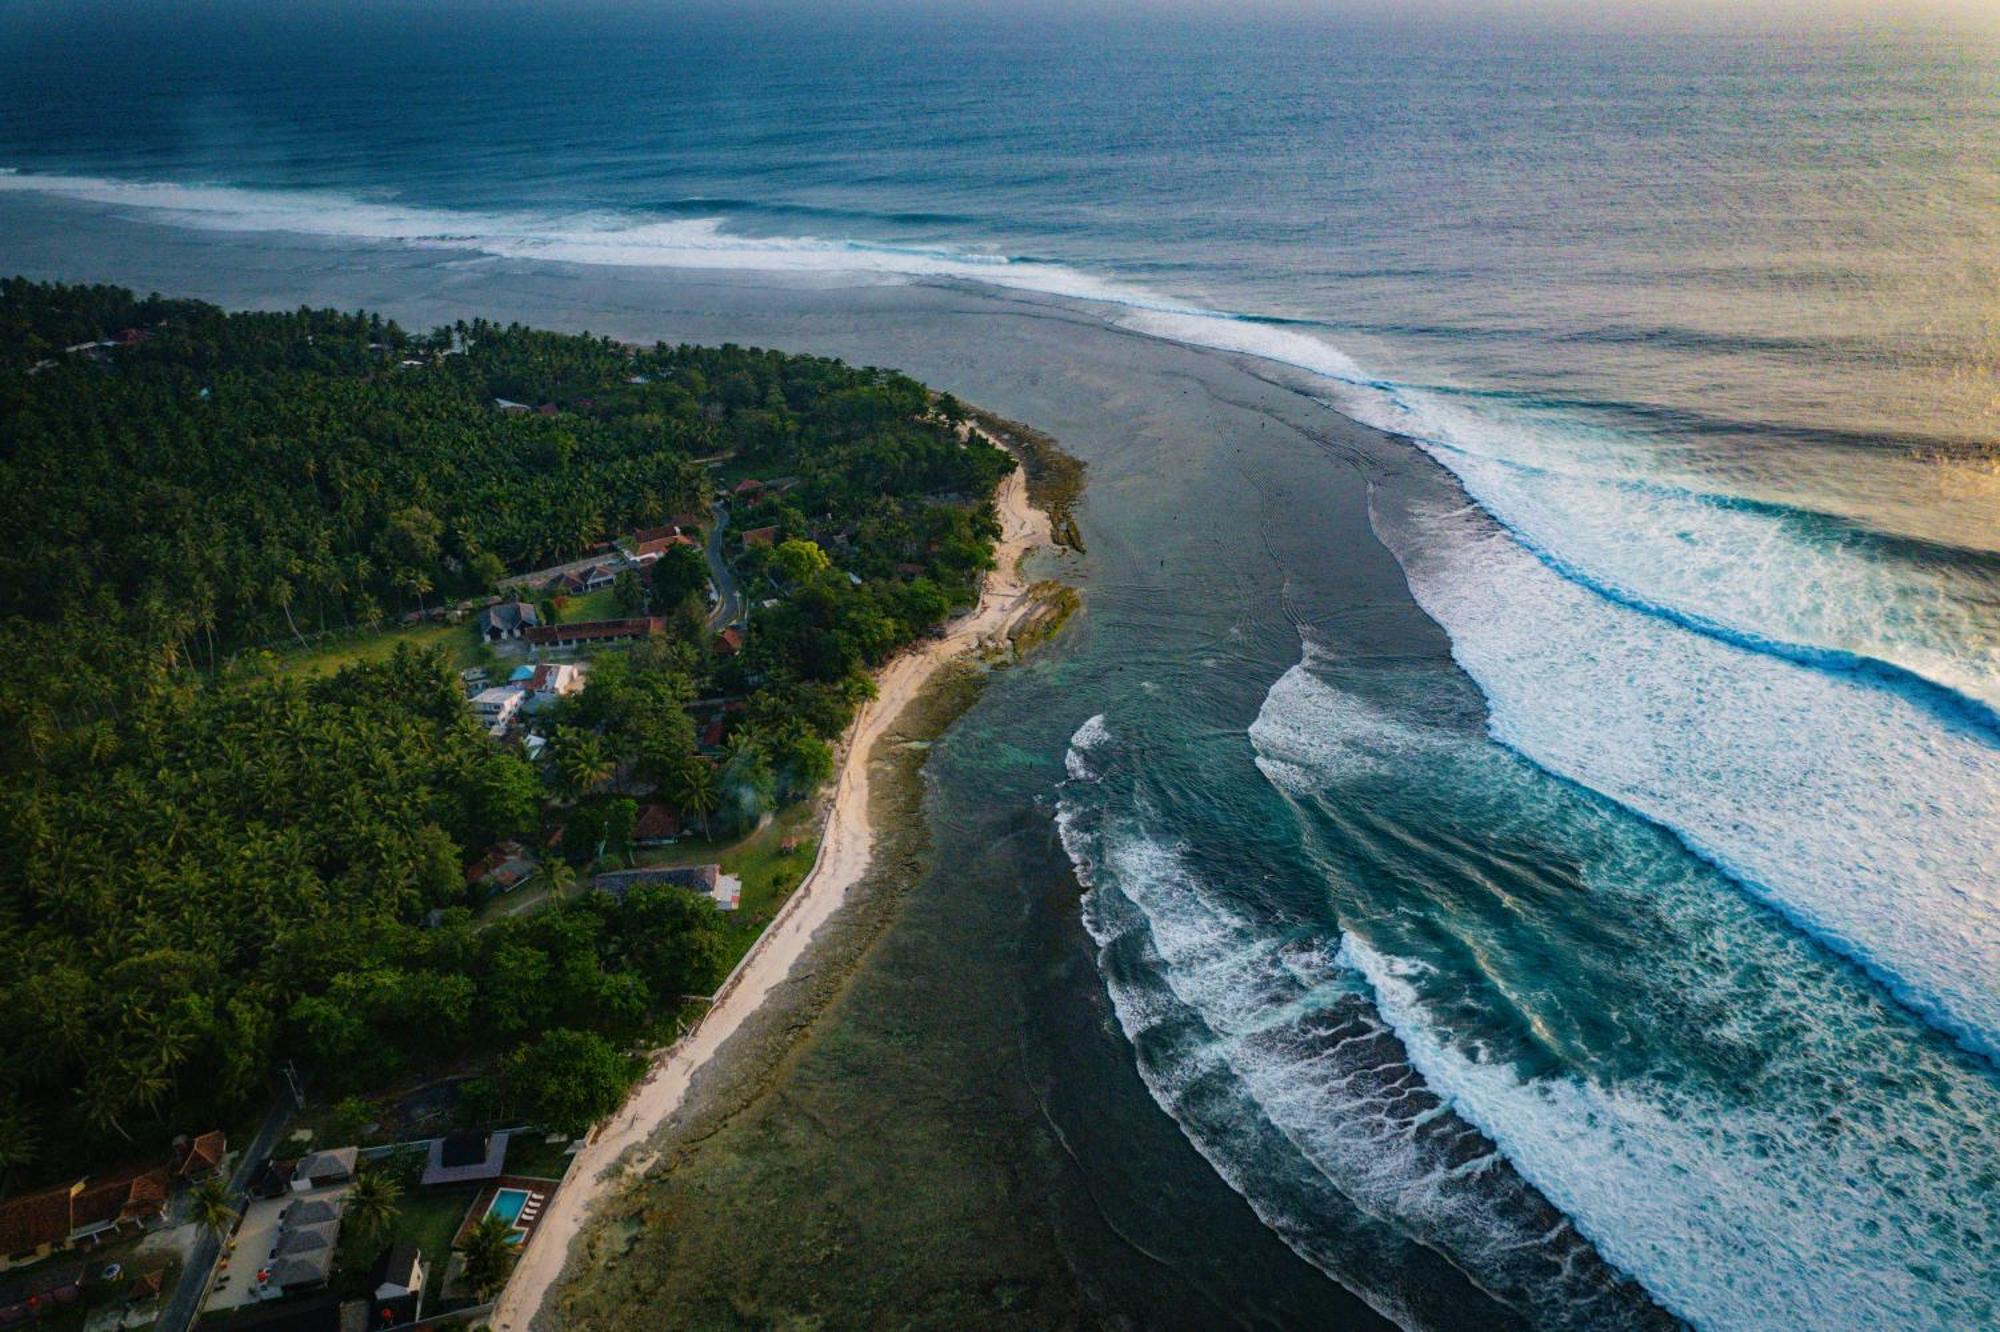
x: 846, y: 849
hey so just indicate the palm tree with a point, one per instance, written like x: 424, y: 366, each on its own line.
x: 560, y: 876
x: 209, y: 1206
x: 694, y: 787
x: 585, y: 762
x: 372, y: 1203
x: 489, y: 1255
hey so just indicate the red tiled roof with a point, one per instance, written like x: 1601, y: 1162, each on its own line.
x: 131, y: 1195
x: 35, y: 1219
x: 595, y: 630
x: 656, y: 823
x: 662, y: 545
x: 760, y: 536
x: 749, y: 485
x: 205, y: 1153
x: 729, y: 642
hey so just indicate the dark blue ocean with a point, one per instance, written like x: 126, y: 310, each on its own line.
x: 1679, y: 884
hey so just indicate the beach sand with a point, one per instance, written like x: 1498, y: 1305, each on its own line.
x: 844, y: 854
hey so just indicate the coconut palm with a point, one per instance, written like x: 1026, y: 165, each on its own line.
x: 694, y: 788
x: 559, y: 875
x: 489, y: 1255
x: 372, y: 1203
x: 209, y: 1206
x: 584, y: 762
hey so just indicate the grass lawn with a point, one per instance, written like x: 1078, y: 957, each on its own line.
x: 529, y: 1154
x: 329, y: 655
x: 427, y: 1218
x: 769, y: 873
x: 590, y: 606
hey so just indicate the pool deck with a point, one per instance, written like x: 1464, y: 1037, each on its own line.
x: 528, y: 1184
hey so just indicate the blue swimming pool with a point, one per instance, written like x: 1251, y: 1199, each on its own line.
x: 507, y: 1204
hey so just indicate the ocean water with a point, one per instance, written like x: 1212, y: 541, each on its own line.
x: 1626, y: 951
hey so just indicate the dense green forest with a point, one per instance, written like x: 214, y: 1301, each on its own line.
x: 209, y: 867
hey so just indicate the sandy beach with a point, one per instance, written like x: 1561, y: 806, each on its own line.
x: 844, y: 852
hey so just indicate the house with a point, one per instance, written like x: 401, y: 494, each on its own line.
x: 648, y: 551
x: 128, y: 1201
x: 595, y: 631
x: 729, y: 642
x: 509, y: 408
x: 321, y: 1169
x: 503, y: 867
x: 749, y: 488
x: 35, y: 1225
x: 569, y: 584
x: 200, y: 1157
x: 551, y: 681
x: 496, y: 707
x: 460, y: 1158
x: 547, y: 409
x: 760, y: 536
x: 398, y: 1280
x: 508, y: 620
x: 656, y: 825
x: 84, y: 1211
x: 302, y: 1252
x: 646, y: 534
x: 599, y: 575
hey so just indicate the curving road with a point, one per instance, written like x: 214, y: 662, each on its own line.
x: 730, y: 608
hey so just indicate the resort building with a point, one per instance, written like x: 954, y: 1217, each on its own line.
x: 595, y: 631
x: 325, y: 1169
x: 507, y: 620
x: 85, y: 1211
x: 463, y: 1158
x: 496, y: 707
x: 399, y: 1286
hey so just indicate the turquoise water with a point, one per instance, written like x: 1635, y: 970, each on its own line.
x: 507, y: 1205
x: 1548, y: 847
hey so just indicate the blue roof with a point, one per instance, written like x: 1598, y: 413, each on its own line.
x: 522, y: 673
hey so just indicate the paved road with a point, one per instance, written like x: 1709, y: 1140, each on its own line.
x: 730, y: 609
x: 178, y: 1314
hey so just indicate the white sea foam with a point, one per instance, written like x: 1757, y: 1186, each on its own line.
x: 1848, y: 808
x: 1842, y: 1183
x: 1588, y: 500
x: 1863, y: 1210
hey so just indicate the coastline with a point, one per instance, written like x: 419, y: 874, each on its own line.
x: 1007, y: 600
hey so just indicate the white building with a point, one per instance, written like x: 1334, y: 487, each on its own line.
x: 496, y: 707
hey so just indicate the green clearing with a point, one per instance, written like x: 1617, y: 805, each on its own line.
x: 769, y: 872
x: 427, y: 1218
x: 531, y: 1154
x: 331, y: 654
x: 590, y: 606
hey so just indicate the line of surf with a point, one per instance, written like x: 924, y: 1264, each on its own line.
x: 624, y: 239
